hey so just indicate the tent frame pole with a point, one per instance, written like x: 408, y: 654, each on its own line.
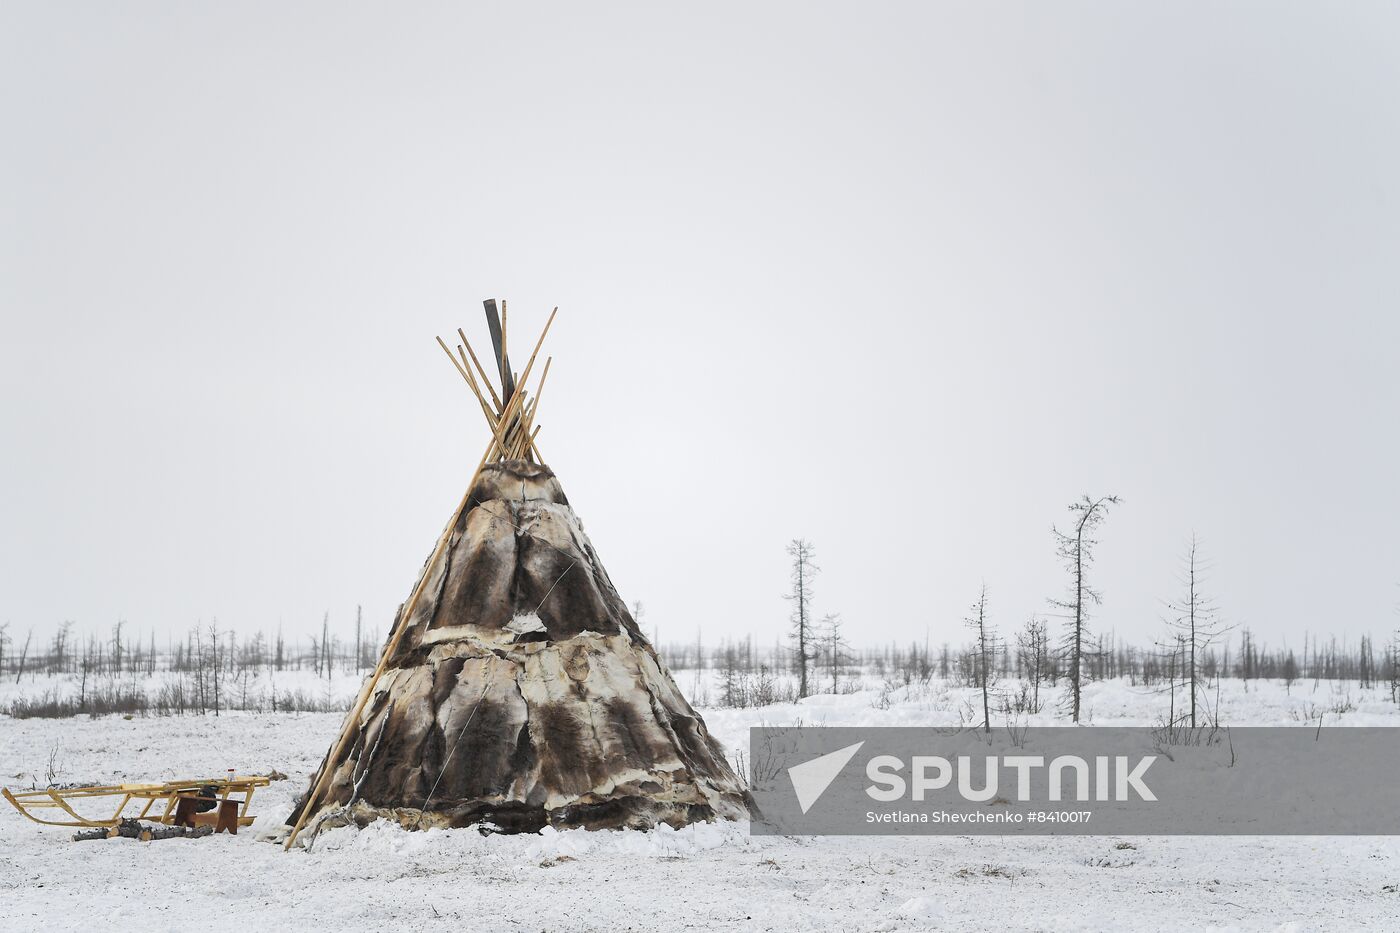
x: 353, y: 720
x: 500, y: 429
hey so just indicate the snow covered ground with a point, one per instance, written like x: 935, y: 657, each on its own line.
x: 701, y: 878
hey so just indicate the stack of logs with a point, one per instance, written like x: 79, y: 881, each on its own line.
x: 146, y: 832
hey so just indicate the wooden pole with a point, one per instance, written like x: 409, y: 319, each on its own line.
x: 529, y: 417
x: 465, y: 372
x: 513, y: 404
x: 494, y: 397
x: 454, y: 360
x: 471, y: 384
x: 506, y: 416
x: 512, y: 433
x: 352, y: 722
x: 492, y: 417
x: 522, y: 433
x: 486, y: 409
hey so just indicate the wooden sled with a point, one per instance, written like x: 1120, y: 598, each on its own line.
x: 174, y: 803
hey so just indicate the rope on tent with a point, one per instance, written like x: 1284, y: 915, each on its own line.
x: 486, y: 683
x: 554, y: 584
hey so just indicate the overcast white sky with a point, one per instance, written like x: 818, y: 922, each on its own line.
x: 904, y: 279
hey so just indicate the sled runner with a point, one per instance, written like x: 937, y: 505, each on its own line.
x: 174, y: 803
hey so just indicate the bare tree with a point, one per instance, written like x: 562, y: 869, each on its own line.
x: 326, y: 643
x: 1247, y: 657
x: 1367, y: 667
x: 1394, y: 679
x: 1195, y: 622
x: 835, y: 647
x: 85, y: 665
x: 731, y: 680
x: 1076, y: 548
x: 254, y: 653
x: 215, y: 660
x: 359, y: 624
x: 58, y: 649
x: 1395, y: 664
x: 984, y: 649
x: 1174, y: 655
x: 29, y: 636
x: 800, y: 596
x: 1290, y: 672
x: 117, y: 646
x: 1034, y: 648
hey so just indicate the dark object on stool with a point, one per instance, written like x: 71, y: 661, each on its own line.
x: 202, y: 802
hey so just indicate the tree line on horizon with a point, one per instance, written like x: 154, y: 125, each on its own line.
x: 1184, y: 658
x: 221, y: 669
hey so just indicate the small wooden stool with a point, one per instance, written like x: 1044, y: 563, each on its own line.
x: 185, y: 811
x: 224, y: 820
x: 228, y: 817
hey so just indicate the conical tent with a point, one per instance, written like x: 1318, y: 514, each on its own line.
x: 515, y: 689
